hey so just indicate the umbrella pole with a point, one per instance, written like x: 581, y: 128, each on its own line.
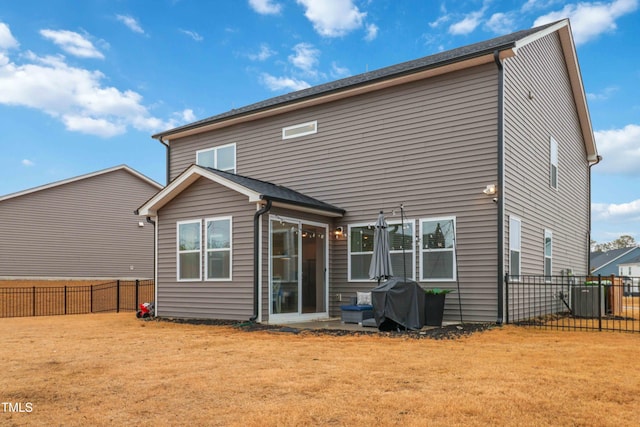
x: 404, y: 260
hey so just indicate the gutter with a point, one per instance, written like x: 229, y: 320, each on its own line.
x: 598, y: 160
x: 155, y: 262
x: 500, y: 271
x: 256, y: 257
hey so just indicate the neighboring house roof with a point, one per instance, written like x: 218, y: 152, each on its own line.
x: 443, y: 62
x: 255, y: 189
x: 81, y: 177
x: 635, y: 260
x: 600, y: 260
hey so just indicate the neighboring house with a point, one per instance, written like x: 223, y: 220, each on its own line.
x: 609, y: 262
x: 488, y: 147
x: 630, y: 272
x: 78, y: 228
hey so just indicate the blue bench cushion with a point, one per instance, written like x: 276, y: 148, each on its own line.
x: 363, y: 307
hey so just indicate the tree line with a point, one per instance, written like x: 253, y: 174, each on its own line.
x: 624, y: 241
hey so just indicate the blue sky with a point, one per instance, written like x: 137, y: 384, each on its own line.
x: 83, y: 84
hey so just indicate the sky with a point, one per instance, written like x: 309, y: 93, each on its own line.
x: 84, y: 84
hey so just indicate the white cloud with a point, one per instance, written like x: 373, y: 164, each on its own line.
x: 27, y: 162
x: 466, y: 25
x: 372, y: 32
x: 131, y: 23
x: 616, y: 211
x: 264, y: 54
x: 7, y: 41
x: 501, y: 23
x: 305, y: 57
x: 339, y: 72
x: 72, y: 43
x: 197, y: 37
x: 265, y: 7
x: 281, y: 83
x: 441, y: 20
x: 75, y: 96
x: 605, y: 94
x: 589, y: 20
x: 620, y: 149
x: 333, y: 18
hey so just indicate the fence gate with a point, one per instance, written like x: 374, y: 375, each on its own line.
x: 609, y: 303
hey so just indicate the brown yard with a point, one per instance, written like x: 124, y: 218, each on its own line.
x: 112, y: 369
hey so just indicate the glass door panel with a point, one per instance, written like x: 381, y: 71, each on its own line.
x: 284, y: 267
x: 313, y: 269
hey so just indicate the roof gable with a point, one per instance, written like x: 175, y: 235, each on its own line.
x: 80, y: 178
x: 603, y: 259
x: 256, y: 191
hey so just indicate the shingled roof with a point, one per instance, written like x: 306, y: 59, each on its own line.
x: 433, y: 61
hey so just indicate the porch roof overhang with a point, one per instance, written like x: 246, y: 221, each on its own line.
x: 256, y: 190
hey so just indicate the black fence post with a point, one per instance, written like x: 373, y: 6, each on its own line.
x: 65, y: 299
x: 118, y: 296
x: 33, y: 301
x: 506, y: 297
x: 135, y: 307
x: 599, y: 302
x: 91, y: 300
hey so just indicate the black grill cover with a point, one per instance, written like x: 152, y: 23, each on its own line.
x: 398, y: 305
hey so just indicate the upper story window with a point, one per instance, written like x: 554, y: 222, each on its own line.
x: 300, y: 130
x: 553, y: 162
x: 361, y: 249
x: 222, y: 158
x: 438, y: 257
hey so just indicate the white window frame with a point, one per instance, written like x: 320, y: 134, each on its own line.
x: 548, y: 234
x: 411, y: 274
x: 553, y: 163
x: 300, y: 125
x: 215, y: 156
x: 424, y: 250
x: 207, y: 250
x: 515, y: 246
x: 198, y: 251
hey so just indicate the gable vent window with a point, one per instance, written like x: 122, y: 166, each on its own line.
x: 300, y: 130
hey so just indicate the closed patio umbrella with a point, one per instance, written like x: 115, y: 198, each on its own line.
x: 380, y: 267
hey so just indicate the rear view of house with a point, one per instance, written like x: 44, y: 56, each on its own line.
x: 486, y: 148
x: 79, y: 228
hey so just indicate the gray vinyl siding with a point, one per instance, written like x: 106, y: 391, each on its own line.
x: 430, y: 145
x: 231, y: 300
x: 81, y: 229
x: 539, y: 105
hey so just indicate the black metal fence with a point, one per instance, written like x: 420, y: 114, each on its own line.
x: 602, y: 303
x: 120, y: 295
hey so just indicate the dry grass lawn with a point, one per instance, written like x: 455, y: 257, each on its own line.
x: 112, y: 369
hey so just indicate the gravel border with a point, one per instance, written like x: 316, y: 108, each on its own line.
x: 445, y: 332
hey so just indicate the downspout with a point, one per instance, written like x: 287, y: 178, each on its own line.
x: 256, y: 254
x: 500, y: 272
x: 598, y: 160
x: 168, y: 159
x: 155, y: 254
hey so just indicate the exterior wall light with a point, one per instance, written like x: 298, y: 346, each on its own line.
x: 339, y: 232
x: 490, y: 190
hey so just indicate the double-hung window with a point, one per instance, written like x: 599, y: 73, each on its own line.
x: 218, y: 252
x: 401, y: 248
x: 222, y: 158
x: 515, y: 239
x: 189, y: 250
x: 553, y: 163
x: 548, y: 252
x: 437, y: 249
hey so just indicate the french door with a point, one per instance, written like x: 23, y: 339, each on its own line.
x: 297, y: 269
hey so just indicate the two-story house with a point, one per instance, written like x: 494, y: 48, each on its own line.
x: 488, y: 147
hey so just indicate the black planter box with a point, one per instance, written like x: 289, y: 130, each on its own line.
x: 433, y: 309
